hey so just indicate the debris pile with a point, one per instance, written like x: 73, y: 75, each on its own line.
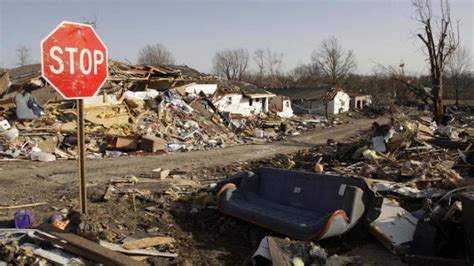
x: 424, y: 207
x: 425, y: 177
x: 140, y: 109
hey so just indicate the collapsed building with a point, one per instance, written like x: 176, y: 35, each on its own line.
x: 139, y: 108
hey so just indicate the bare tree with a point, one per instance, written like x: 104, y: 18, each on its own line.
x: 268, y: 63
x: 306, y: 75
x: 259, y: 59
x: 231, y: 64
x: 458, y: 68
x: 440, y: 41
x: 334, y: 62
x: 273, y: 61
x: 156, y: 54
x: 23, y: 55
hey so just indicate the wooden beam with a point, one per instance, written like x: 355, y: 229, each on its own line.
x: 148, y: 242
x: 22, y: 206
x: 144, y: 252
x: 86, y: 248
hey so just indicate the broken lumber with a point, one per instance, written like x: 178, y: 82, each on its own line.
x: 85, y: 248
x: 108, y: 192
x: 148, y: 242
x: 22, y: 206
x: 144, y: 252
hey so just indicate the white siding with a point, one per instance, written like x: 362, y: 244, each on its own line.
x: 340, y: 103
x: 287, y: 111
x: 237, y: 104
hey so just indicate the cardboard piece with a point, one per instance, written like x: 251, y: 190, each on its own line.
x: 106, y: 117
x: 125, y: 143
x: 153, y: 144
x: 49, y: 145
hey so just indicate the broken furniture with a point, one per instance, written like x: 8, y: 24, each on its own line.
x: 55, y: 247
x: 394, y: 227
x: 305, y: 206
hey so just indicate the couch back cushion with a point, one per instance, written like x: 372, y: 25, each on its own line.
x: 315, y: 192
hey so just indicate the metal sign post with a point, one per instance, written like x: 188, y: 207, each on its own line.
x: 74, y: 60
x: 81, y: 156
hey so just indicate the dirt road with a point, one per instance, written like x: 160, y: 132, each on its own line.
x: 64, y: 171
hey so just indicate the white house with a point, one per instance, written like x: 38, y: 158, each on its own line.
x: 281, y: 105
x: 337, y: 101
x: 241, y: 98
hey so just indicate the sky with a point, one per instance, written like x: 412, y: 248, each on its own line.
x: 378, y: 31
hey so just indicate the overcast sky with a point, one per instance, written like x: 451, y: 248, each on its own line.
x: 379, y: 31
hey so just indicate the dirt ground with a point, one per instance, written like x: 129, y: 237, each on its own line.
x: 31, y: 173
x: 204, y: 236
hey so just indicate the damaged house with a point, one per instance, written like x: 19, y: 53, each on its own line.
x: 303, y: 100
x: 242, y: 98
x: 313, y: 100
x: 337, y: 101
x: 359, y: 100
x: 281, y: 105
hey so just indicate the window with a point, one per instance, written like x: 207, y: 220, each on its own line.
x: 250, y: 102
x: 287, y: 104
x: 257, y: 100
x: 229, y: 100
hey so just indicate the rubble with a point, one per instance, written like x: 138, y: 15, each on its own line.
x: 421, y: 169
x: 141, y: 109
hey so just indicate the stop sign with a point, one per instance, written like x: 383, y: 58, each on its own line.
x: 74, y: 60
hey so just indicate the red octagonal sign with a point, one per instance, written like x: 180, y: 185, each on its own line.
x: 74, y: 60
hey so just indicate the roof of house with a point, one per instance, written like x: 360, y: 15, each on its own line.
x: 247, y: 89
x: 331, y: 93
x: 310, y: 94
x: 23, y: 74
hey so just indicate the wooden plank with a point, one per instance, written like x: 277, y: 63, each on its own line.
x: 86, y: 248
x: 145, y: 252
x: 148, y: 242
x: 108, y: 192
x: 22, y: 206
x: 279, y: 257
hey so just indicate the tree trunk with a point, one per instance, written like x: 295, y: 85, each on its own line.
x: 327, y: 114
x: 438, y: 111
x: 457, y: 95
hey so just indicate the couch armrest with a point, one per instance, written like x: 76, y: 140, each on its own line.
x: 353, y: 204
x: 225, y: 192
x: 347, y: 217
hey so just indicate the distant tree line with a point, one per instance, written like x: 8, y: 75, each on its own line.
x: 331, y: 64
